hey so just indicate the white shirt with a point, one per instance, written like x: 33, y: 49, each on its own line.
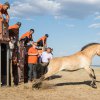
x: 46, y: 57
x: 11, y: 45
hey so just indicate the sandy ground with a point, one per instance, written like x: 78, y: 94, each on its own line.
x: 65, y: 86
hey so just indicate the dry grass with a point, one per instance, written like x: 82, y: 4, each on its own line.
x: 72, y: 86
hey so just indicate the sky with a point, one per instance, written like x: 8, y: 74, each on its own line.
x: 71, y: 24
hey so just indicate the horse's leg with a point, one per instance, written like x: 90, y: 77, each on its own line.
x: 92, y: 75
x: 48, y: 74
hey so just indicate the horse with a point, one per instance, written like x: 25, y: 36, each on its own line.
x: 77, y: 61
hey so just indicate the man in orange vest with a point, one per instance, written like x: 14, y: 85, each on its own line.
x: 43, y: 41
x: 3, y: 10
x: 32, y: 62
x: 27, y: 36
x: 14, y: 29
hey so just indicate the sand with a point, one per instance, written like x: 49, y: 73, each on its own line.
x: 64, y: 86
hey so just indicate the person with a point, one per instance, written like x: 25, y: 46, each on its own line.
x: 42, y: 42
x: 3, y: 11
x: 11, y: 46
x: 27, y: 37
x: 32, y: 62
x: 27, y: 34
x: 46, y: 57
x: 14, y: 29
x: 15, y: 69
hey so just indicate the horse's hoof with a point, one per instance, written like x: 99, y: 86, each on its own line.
x: 37, y: 85
x: 94, y: 86
x: 34, y: 86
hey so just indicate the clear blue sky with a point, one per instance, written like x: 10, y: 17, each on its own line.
x: 71, y: 24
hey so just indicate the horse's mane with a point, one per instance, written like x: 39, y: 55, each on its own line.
x: 90, y: 44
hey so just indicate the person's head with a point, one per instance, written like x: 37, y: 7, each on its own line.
x: 31, y: 31
x: 48, y: 50
x: 46, y: 35
x: 19, y: 24
x: 6, y: 6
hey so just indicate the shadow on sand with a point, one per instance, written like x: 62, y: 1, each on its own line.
x: 55, y: 77
x: 75, y: 83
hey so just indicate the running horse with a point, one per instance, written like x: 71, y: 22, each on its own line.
x: 77, y: 61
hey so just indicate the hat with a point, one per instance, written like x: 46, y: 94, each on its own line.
x: 46, y: 35
x: 7, y: 3
x: 18, y: 23
x: 32, y: 30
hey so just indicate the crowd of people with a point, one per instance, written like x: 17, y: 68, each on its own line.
x: 34, y: 62
x: 35, y: 59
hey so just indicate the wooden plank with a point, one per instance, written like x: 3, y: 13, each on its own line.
x: 11, y: 75
x: 8, y: 66
x: 0, y: 65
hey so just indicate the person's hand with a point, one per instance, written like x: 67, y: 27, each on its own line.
x: 45, y: 45
x: 1, y: 19
x: 39, y: 55
x: 7, y: 20
x: 18, y: 65
x: 49, y: 60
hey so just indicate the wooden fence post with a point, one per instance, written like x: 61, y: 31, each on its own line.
x: 8, y: 77
x: 0, y: 66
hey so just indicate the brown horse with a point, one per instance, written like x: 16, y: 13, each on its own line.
x: 79, y: 60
